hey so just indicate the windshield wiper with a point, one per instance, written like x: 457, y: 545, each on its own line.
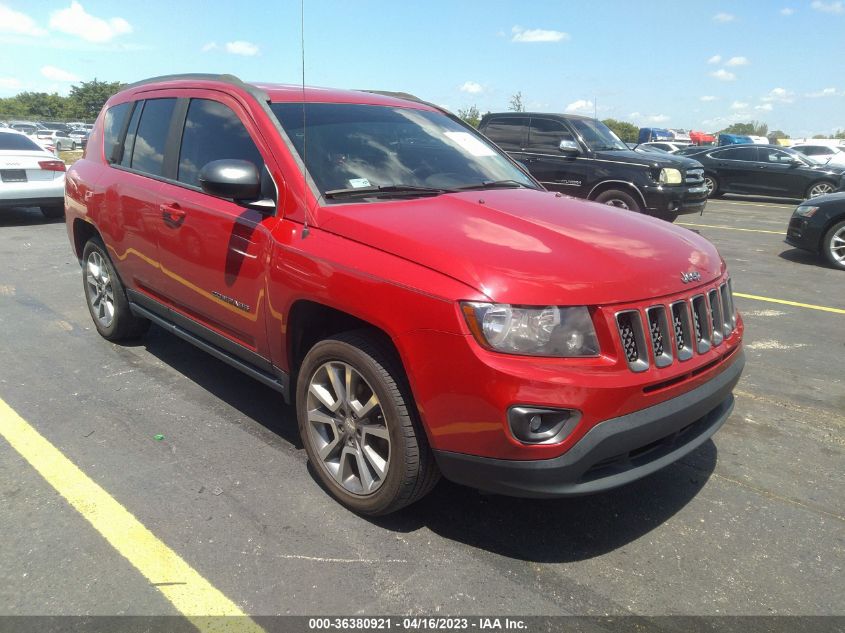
x: 495, y: 184
x: 384, y: 190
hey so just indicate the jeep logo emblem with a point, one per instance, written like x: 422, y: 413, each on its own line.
x: 688, y: 277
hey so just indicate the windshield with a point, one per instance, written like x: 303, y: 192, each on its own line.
x: 387, y: 149
x: 597, y: 136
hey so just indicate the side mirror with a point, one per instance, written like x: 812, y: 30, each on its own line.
x: 568, y: 147
x: 229, y: 178
x: 796, y: 162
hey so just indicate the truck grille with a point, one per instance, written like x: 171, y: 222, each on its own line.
x: 664, y: 334
x: 694, y: 176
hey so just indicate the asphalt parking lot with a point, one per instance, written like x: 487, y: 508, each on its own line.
x: 753, y: 523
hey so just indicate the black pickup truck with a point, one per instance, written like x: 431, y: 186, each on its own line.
x: 581, y: 157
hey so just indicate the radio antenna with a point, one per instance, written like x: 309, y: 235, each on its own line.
x: 305, y: 230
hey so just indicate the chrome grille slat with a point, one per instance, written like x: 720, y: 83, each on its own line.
x: 694, y: 176
x: 630, y: 327
x: 682, y: 330
x: 661, y: 339
x: 701, y: 321
x: 715, y: 314
x: 727, y: 310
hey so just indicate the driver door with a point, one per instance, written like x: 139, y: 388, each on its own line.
x: 556, y: 170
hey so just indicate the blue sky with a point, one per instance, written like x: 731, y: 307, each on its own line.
x: 698, y: 65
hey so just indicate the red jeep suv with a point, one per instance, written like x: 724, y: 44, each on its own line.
x: 427, y: 305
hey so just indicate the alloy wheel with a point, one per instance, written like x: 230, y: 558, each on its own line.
x: 100, y: 292
x: 837, y: 246
x: 347, y: 427
x: 820, y: 189
x: 708, y: 182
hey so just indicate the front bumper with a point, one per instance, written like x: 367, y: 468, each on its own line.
x: 614, y: 452
x: 675, y: 199
x: 802, y: 233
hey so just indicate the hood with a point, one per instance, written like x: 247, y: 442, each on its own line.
x: 529, y: 247
x: 828, y: 168
x: 650, y: 159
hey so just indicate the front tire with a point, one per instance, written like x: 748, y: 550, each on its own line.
x: 106, y: 297
x: 712, y: 184
x: 619, y: 199
x: 359, y: 425
x: 833, y: 245
x: 820, y: 189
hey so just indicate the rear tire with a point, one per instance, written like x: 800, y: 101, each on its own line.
x: 375, y: 463
x: 820, y: 188
x: 53, y: 211
x: 106, y: 296
x: 619, y: 199
x: 712, y: 184
x: 833, y: 245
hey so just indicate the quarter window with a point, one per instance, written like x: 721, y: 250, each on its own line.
x: 113, y: 126
x: 213, y: 132
x: 148, y: 150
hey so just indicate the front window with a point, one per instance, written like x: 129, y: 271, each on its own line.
x: 391, y: 150
x: 597, y: 136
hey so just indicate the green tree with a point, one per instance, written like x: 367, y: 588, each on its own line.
x: 470, y: 115
x: 34, y: 105
x: 820, y: 136
x: 754, y: 128
x: 86, y: 100
x: 776, y: 134
x: 628, y: 132
x: 516, y: 104
x: 839, y: 134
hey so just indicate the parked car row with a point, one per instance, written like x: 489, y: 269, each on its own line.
x: 30, y: 175
x: 61, y: 136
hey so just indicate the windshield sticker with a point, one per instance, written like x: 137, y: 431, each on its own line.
x: 471, y: 144
x: 357, y: 183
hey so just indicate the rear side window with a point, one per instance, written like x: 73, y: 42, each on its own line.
x: 747, y: 152
x: 507, y: 133
x: 213, y: 132
x: 112, y: 127
x: 14, y: 141
x: 148, y: 151
x: 545, y: 135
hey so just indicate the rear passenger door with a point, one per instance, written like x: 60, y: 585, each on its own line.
x: 213, y: 251
x: 736, y: 168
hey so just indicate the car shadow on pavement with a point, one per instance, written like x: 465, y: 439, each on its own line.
x: 558, y: 530
x: 807, y: 258
x: 25, y: 216
x: 247, y: 395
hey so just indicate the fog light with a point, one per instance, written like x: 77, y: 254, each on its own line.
x: 532, y: 425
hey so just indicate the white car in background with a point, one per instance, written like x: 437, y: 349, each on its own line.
x: 826, y: 154
x: 30, y: 176
x: 666, y: 146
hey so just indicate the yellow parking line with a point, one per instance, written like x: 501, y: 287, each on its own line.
x: 190, y: 593
x: 730, y: 228
x: 809, y: 306
x: 758, y: 204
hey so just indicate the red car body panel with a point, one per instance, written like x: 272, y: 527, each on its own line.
x: 403, y: 266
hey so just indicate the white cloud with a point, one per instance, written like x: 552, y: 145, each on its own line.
x: 737, y: 61
x: 739, y: 105
x: 787, y: 11
x: 10, y: 83
x: 581, y: 105
x: 18, y: 23
x: 240, y: 47
x: 715, y: 59
x: 57, y: 74
x: 780, y: 95
x: 211, y: 46
x: 76, y: 21
x: 472, y: 87
x: 724, y: 17
x: 649, y: 118
x: 766, y: 107
x: 825, y: 92
x: 723, y: 75
x: 708, y: 98
x: 537, y: 35
x: 829, y: 7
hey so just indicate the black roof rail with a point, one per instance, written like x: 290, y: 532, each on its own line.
x: 224, y: 78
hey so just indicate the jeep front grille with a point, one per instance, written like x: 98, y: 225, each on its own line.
x: 661, y: 334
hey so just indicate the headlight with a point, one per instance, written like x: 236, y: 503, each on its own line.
x: 805, y: 211
x: 669, y: 176
x: 548, y: 331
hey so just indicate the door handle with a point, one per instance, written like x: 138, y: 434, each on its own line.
x: 172, y: 214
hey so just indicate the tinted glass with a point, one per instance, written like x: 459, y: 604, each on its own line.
x: 112, y: 127
x: 545, y: 135
x: 597, y: 135
x: 507, y: 133
x: 350, y: 146
x: 124, y: 155
x: 10, y: 140
x: 774, y: 156
x: 747, y: 152
x: 213, y: 132
x: 148, y: 152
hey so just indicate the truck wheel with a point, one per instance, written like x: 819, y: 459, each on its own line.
x: 712, y: 184
x: 819, y: 189
x: 106, y: 297
x: 616, y: 198
x: 833, y: 245
x: 359, y: 425
x: 53, y: 211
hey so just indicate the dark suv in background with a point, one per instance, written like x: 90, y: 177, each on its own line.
x: 582, y: 157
